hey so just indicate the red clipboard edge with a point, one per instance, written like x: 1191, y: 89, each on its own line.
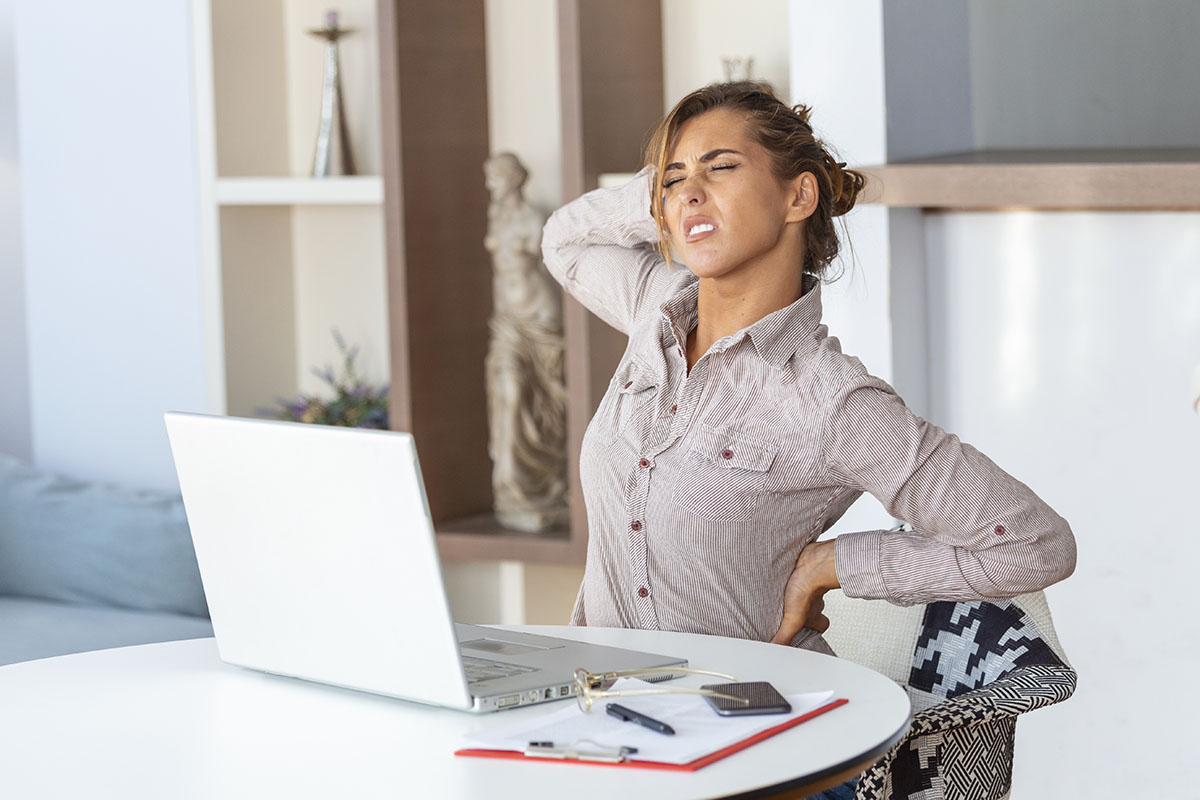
x: 691, y: 766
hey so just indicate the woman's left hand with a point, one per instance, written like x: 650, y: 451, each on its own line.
x: 804, y: 597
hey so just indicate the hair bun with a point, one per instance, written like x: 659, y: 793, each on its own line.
x: 847, y: 183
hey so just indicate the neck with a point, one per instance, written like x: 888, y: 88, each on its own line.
x: 739, y: 299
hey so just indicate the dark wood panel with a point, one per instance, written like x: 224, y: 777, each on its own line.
x: 621, y: 66
x: 439, y: 272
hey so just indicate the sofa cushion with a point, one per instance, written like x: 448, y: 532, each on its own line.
x: 94, y: 543
x: 32, y: 629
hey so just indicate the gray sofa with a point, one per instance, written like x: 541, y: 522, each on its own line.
x: 87, y: 566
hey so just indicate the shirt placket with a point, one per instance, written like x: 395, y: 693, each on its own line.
x: 666, y: 430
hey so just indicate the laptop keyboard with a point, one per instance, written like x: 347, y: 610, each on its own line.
x: 481, y: 669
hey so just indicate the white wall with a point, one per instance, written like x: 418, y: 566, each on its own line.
x: 110, y: 213
x: 697, y: 34
x: 1063, y: 346
x: 14, y: 361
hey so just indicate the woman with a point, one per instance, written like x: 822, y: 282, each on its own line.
x: 735, y: 431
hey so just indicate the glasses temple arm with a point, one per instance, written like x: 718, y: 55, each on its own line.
x: 707, y: 692
x: 628, y: 673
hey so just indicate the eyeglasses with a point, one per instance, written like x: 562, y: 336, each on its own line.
x: 591, y: 686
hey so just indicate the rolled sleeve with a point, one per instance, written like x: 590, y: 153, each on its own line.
x: 856, y: 558
x: 978, y: 533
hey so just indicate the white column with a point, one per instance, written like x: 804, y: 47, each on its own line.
x: 845, y: 89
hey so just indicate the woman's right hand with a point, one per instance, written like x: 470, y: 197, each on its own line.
x: 804, y: 596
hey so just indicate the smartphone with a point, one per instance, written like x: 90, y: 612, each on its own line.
x: 763, y: 697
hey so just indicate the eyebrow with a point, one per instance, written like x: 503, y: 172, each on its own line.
x: 704, y: 159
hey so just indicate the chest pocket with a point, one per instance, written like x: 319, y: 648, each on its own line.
x: 723, y: 474
x: 627, y: 407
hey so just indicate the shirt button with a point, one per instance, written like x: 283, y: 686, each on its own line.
x: 643, y: 592
x: 636, y: 525
x: 674, y: 408
x: 643, y: 463
x: 628, y: 384
x: 726, y: 454
x: 999, y: 530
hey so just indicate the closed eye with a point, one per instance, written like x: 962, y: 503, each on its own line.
x: 669, y: 182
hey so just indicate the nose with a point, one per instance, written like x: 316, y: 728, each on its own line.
x: 690, y: 192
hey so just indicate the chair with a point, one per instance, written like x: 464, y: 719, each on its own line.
x: 970, y: 669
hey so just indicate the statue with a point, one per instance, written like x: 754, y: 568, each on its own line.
x: 526, y: 394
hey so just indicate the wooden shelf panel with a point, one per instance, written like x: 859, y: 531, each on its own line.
x: 482, y: 538
x: 349, y: 190
x: 1119, y: 180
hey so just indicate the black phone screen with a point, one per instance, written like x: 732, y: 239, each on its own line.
x: 763, y: 697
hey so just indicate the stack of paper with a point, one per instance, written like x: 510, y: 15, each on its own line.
x: 699, y: 730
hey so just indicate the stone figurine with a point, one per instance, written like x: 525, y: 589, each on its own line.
x: 527, y: 405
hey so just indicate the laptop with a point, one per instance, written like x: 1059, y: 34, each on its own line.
x: 319, y: 561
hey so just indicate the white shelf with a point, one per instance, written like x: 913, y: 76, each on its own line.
x: 352, y: 190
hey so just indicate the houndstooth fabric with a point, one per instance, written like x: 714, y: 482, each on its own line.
x: 975, y: 668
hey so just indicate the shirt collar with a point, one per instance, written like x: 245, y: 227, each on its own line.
x: 775, y: 337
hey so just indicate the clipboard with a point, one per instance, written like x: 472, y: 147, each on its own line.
x: 609, y: 758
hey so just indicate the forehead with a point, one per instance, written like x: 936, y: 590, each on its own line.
x: 718, y: 128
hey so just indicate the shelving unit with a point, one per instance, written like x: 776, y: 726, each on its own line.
x: 1129, y: 180
x: 434, y: 116
x: 289, y: 258
x: 354, y: 190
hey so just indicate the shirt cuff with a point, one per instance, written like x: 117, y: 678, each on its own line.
x: 856, y: 559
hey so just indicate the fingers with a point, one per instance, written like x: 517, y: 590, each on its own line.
x: 810, y: 616
x: 788, y: 629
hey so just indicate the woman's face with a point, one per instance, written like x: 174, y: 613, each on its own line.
x: 723, y: 206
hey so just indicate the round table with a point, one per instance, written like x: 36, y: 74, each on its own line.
x: 172, y: 720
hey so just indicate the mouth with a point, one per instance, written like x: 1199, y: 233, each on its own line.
x: 697, y: 229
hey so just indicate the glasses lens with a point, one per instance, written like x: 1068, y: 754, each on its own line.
x: 583, y: 697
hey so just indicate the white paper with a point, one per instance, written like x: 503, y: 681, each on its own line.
x: 699, y: 730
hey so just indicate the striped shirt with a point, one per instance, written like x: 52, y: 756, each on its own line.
x: 702, y: 487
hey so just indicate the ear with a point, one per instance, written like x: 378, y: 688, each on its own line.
x: 802, y: 197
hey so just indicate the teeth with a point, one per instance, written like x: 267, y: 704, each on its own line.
x: 701, y: 229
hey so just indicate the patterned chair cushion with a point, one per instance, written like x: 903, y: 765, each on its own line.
x: 976, y: 666
x: 964, y: 646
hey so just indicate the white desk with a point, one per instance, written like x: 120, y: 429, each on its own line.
x: 172, y: 720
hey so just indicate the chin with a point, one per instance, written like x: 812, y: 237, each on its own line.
x: 708, y: 268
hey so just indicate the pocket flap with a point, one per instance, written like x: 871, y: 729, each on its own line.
x: 635, y: 377
x: 728, y: 448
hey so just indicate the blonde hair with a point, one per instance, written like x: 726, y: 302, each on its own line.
x: 787, y: 136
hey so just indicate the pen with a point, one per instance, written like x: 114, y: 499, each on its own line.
x: 629, y: 715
